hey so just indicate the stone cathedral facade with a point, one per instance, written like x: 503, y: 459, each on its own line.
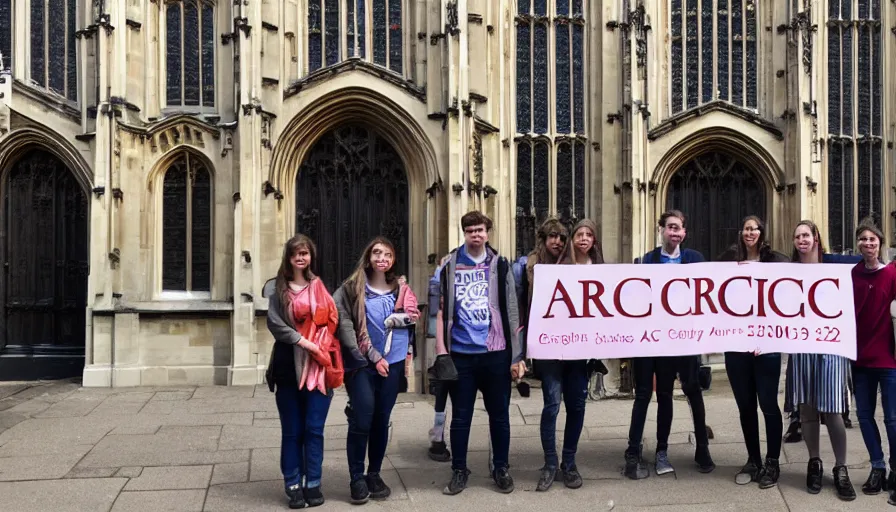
x: 156, y: 154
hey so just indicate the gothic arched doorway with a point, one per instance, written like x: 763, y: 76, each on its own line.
x: 351, y: 187
x: 715, y: 192
x: 45, y: 248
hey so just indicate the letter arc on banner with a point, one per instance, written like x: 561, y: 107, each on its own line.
x: 621, y: 311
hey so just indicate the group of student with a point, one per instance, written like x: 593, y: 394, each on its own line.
x: 360, y: 337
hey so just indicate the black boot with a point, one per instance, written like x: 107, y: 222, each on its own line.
x: 843, y: 484
x: 814, y: 476
x: 768, y: 477
x: 704, y: 460
x: 877, y: 481
x: 296, y: 498
x: 314, y: 497
x: 438, y: 451
x: 891, y: 486
x: 635, y: 468
x: 794, y: 433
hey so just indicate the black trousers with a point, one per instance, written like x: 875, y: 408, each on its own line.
x: 666, y: 369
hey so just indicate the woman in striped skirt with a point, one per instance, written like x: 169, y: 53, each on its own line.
x: 816, y: 383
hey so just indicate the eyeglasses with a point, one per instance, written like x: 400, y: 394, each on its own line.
x: 752, y: 230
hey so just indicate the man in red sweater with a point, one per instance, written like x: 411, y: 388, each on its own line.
x: 874, y: 285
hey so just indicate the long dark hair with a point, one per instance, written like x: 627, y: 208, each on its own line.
x: 286, y: 274
x: 795, y: 255
x: 740, y: 251
x: 541, y: 254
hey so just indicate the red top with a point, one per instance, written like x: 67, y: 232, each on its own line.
x: 874, y: 290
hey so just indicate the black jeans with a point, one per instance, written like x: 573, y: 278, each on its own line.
x: 756, y: 379
x: 490, y: 374
x: 665, y: 369
x: 372, y: 398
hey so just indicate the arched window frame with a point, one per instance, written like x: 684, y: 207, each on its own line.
x: 336, y: 30
x: 855, y: 167
x: 730, y: 70
x: 195, y: 168
x: 51, y: 51
x: 206, y: 60
x: 550, y: 115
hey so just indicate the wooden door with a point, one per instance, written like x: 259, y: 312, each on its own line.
x: 351, y: 188
x: 45, y: 246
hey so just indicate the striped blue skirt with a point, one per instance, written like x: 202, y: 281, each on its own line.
x: 817, y: 380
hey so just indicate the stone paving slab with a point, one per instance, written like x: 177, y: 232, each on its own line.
x: 60, y: 495
x: 39, y: 467
x: 171, y: 478
x: 160, y: 501
x: 230, y: 473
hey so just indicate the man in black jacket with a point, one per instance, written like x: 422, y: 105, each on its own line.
x: 673, y: 232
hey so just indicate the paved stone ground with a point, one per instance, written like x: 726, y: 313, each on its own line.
x: 216, y: 449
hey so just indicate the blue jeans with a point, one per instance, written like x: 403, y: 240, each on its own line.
x: 867, y: 381
x: 490, y: 374
x: 569, y: 379
x: 372, y: 398
x: 302, y: 417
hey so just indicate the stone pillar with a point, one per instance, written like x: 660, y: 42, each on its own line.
x: 455, y: 41
x: 100, y: 360
x: 248, y: 177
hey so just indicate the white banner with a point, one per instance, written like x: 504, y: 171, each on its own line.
x: 620, y: 311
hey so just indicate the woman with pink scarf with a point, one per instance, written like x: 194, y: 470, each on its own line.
x: 306, y: 365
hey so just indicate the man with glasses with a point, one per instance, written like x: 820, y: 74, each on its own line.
x: 672, y: 232
x: 479, y: 323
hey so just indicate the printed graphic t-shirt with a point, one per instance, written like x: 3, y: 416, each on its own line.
x: 379, y: 304
x: 469, y: 333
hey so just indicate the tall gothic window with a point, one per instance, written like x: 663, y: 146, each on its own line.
x: 190, y: 53
x: 380, y: 19
x: 187, y: 226
x: 855, y: 101
x: 6, y: 30
x: 713, y: 53
x: 550, y: 115
x: 54, y: 60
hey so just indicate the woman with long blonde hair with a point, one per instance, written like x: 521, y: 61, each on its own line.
x: 376, y: 311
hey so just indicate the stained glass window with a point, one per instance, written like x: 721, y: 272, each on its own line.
x: 190, y: 53
x: 713, y: 53
x: 331, y: 31
x: 186, y: 226
x: 315, y: 36
x: 855, y: 111
x: 6, y: 30
x: 550, y: 156
x: 385, y: 18
x: 561, y: 70
x: 53, y: 45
